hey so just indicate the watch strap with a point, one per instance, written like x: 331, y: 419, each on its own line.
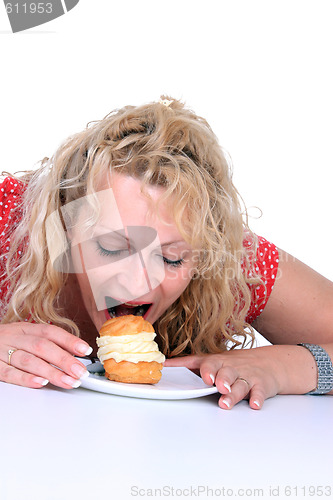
x: 325, y: 369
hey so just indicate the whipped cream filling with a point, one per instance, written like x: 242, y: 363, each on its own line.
x: 133, y: 348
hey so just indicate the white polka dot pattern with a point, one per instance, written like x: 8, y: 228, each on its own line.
x: 266, y: 265
x: 11, y: 191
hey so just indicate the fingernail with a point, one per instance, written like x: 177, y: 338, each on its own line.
x: 79, y: 371
x: 212, y: 378
x: 84, y: 350
x: 227, y: 386
x: 71, y: 381
x: 41, y: 381
x: 256, y: 403
x: 226, y: 402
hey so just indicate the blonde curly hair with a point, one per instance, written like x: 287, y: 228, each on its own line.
x: 161, y: 143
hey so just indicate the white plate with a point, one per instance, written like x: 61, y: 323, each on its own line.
x: 176, y: 383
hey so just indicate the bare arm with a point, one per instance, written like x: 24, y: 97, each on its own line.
x: 299, y: 309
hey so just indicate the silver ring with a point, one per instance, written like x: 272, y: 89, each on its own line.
x: 10, y: 353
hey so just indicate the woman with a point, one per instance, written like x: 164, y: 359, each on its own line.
x: 138, y: 214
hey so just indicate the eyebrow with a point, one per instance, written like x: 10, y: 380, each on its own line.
x: 109, y: 229
x: 124, y: 237
x: 168, y: 243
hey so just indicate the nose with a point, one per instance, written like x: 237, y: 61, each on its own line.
x: 132, y: 278
x: 126, y: 279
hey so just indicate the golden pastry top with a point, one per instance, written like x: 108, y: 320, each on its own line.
x: 126, y: 325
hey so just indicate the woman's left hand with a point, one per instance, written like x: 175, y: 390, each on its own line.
x: 256, y: 374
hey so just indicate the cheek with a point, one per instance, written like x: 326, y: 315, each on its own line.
x: 175, y: 282
x: 76, y: 259
x: 85, y: 289
x: 80, y: 272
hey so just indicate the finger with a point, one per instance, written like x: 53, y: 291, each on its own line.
x: 47, y: 351
x: 11, y: 375
x: 53, y: 333
x: 239, y: 390
x: 257, y: 397
x: 213, y: 372
x: 30, y: 364
x: 192, y: 362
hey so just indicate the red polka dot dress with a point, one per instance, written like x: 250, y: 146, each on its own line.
x: 11, y: 191
x: 266, y: 266
x: 266, y: 263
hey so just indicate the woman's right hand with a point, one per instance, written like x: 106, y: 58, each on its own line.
x: 42, y: 353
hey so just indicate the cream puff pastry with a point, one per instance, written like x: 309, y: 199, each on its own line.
x: 128, y: 351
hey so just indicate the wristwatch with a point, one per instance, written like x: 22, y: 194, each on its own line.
x: 325, y: 369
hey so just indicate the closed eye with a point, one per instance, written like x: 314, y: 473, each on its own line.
x: 109, y: 253
x: 173, y: 263
x: 113, y: 253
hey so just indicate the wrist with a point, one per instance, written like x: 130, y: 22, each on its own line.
x: 299, y: 370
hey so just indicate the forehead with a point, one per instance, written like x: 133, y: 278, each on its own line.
x: 134, y: 206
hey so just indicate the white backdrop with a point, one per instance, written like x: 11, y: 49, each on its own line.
x: 259, y: 71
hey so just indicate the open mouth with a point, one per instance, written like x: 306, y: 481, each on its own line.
x: 122, y: 309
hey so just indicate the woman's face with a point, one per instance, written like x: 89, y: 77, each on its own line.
x: 131, y: 261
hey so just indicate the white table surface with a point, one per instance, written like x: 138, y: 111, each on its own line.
x: 81, y: 444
